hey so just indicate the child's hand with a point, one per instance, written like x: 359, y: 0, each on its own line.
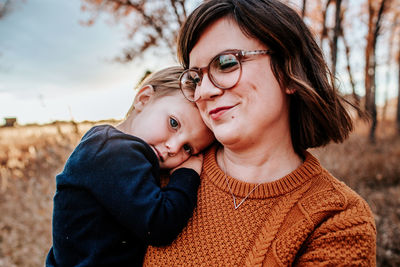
x: 195, y: 162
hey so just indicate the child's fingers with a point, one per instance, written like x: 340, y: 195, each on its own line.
x: 195, y: 162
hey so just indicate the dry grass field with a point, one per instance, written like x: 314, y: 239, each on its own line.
x: 31, y: 156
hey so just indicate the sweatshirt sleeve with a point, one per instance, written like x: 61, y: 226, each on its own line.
x: 120, y: 175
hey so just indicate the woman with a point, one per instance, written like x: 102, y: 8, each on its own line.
x: 263, y: 88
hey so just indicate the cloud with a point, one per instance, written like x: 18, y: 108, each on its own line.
x: 48, y: 57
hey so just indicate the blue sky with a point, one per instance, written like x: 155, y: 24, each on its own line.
x: 53, y: 68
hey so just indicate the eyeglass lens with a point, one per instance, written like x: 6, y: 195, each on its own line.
x: 223, y: 72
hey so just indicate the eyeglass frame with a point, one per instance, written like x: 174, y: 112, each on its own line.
x: 239, y: 54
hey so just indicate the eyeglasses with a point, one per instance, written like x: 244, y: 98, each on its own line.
x: 224, y: 72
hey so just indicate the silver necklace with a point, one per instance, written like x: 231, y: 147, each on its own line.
x: 230, y: 190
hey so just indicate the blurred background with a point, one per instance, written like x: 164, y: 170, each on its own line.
x: 68, y: 65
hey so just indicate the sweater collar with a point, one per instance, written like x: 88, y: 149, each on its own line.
x: 310, y: 168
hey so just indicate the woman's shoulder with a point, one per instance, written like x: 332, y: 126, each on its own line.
x: 336, y: 200
x: 337, y: 222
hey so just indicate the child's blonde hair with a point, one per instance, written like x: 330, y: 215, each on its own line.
x: 164, y: 82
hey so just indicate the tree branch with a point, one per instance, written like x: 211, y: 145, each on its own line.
x: 4, y: 8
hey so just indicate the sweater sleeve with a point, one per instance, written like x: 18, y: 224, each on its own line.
x: 123, y: 179
x: 346, y: 239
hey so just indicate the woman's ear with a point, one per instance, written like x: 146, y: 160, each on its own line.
x: 290, y: 91
x: 143, y: 97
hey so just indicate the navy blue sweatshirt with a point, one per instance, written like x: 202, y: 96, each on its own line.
x: 109, y: 206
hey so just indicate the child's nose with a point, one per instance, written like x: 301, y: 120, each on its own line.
x: 173, y: 147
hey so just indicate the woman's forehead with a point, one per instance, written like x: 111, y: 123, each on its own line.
x: 222, y: 35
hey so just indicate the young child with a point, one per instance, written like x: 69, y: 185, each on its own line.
x: 108, y: 205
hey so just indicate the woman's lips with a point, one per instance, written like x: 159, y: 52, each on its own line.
x: 216, y: 113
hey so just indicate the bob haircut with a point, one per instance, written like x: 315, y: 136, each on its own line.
x: 164, y: 82
x: 316, y: 110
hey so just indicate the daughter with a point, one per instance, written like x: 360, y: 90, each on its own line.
x: 108, y: 205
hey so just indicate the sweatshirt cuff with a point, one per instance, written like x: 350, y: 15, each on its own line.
x: 186, y: 172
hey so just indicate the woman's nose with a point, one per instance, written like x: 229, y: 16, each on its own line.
x: 206, y: 89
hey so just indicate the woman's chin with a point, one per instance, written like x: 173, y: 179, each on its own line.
x: 228, y: 138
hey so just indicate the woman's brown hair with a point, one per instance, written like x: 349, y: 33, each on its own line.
x: 317, y: 110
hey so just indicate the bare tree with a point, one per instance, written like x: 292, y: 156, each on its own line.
x: 324, y: 30
x: 396, y: 34
x: 303, y: 9
x: 375, y: 17
x: 356, y: 97
x: 4, y: 8
x: 398, y: 89
x: 394, y: 22
x: 331, y: 34
x: 151, y: 23
x: 336, y: 33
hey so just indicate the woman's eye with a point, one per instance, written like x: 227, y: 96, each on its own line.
x: 188, y: 149
x: 196, y: 80
x: 194, y: 77
x: 226, y: 63
x: 174, y: 123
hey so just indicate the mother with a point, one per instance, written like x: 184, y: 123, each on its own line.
x: 262, y: 86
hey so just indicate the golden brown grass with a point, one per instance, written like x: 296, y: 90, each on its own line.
x: 31, y: 156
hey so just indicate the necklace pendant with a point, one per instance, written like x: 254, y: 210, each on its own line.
x: 240, y: 203
x: 236, y: 206
x: 234, y: 202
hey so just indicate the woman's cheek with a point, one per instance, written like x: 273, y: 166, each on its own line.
x: 204, y: 116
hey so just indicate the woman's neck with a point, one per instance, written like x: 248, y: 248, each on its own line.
x: 259, y: 163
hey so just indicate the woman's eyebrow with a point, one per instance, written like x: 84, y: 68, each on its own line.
x: 211, y: 58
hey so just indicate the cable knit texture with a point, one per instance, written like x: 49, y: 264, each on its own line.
x: 307, y: 218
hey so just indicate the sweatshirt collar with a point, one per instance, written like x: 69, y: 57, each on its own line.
x: 310, y: 168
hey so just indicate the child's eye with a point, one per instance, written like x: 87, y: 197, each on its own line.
x: 188, y: 149
x: 174, y: 123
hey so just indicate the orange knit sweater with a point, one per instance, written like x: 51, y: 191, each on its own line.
x: 307, y: 218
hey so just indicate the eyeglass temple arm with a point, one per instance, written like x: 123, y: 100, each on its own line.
x: 255, y: 52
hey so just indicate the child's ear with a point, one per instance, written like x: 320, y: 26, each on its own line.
x: 143, y: 97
